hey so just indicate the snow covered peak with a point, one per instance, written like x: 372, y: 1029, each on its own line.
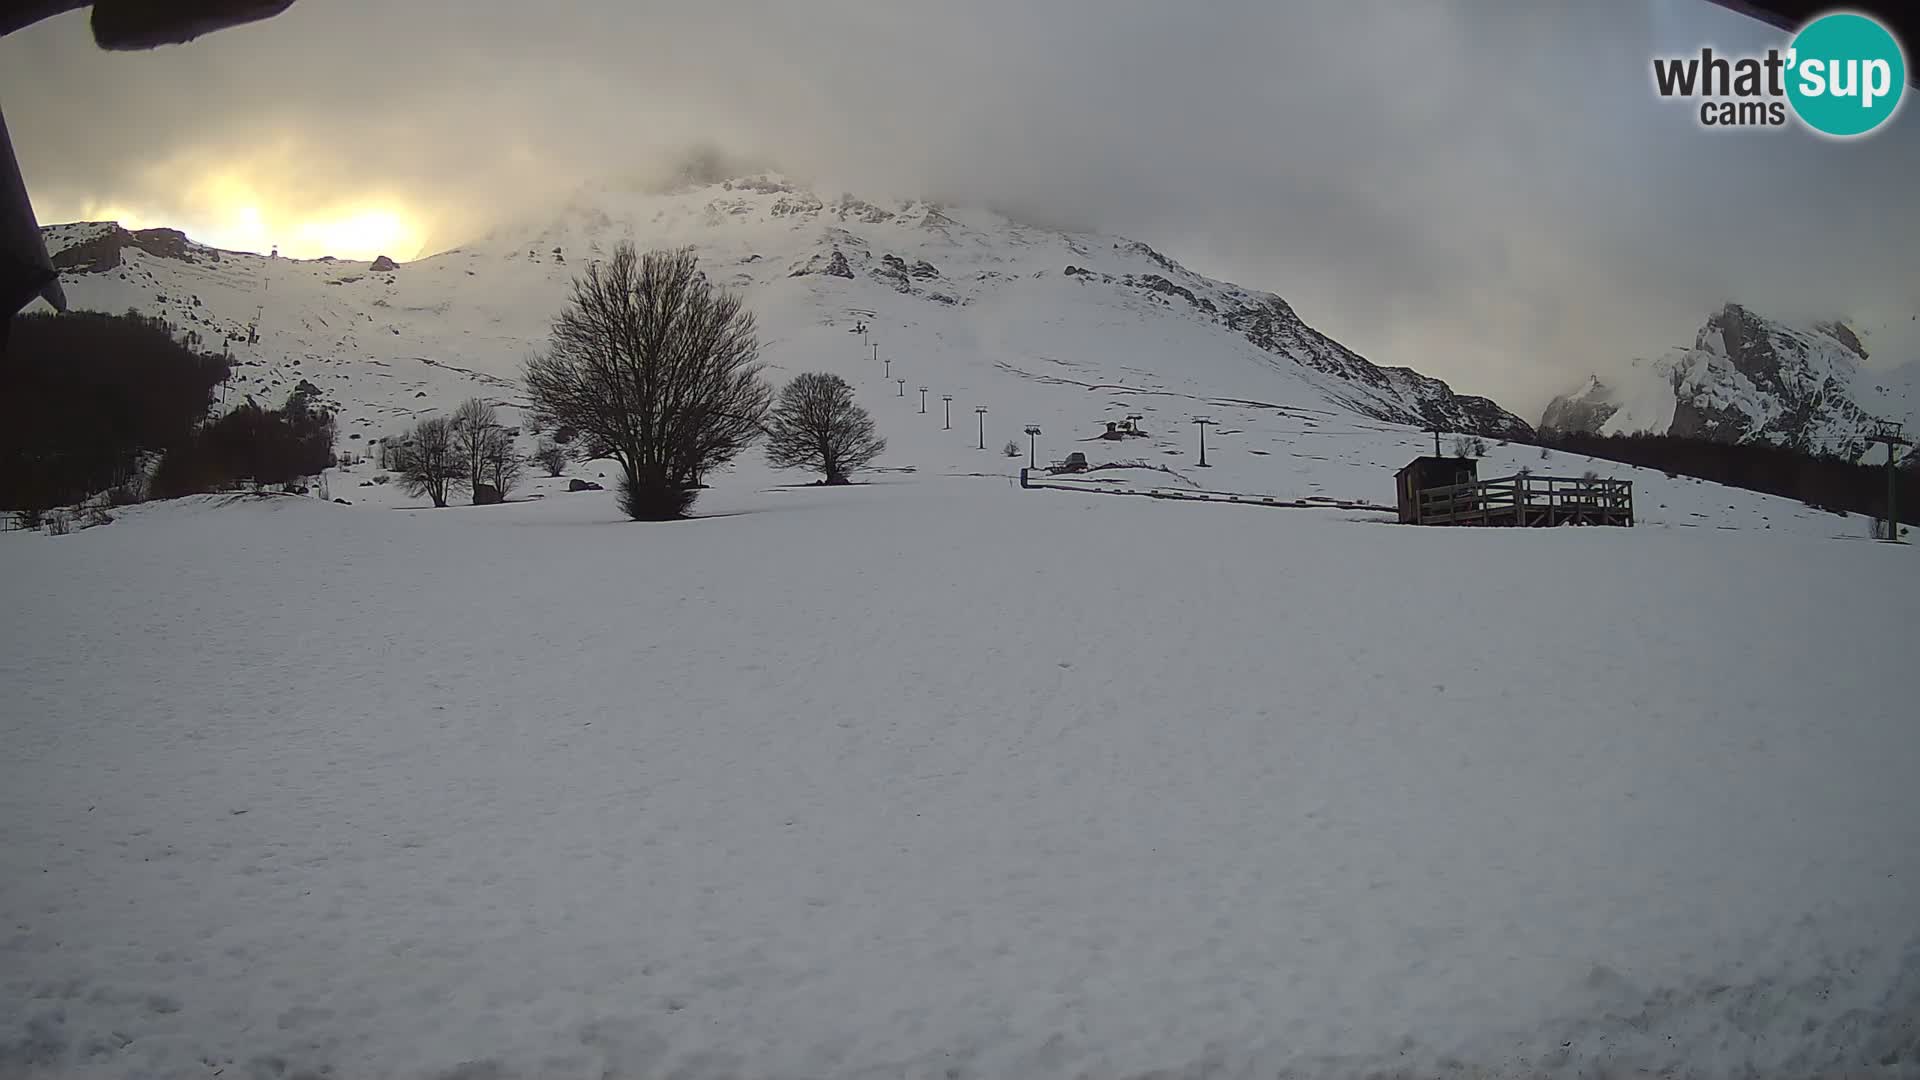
x: 601, y: 213
x: 961, y: 256
x: 1789, y: 362
x: 1035, y: 319
x: 1746, y: 378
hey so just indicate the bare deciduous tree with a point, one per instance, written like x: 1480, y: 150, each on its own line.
x: 499, y: 465
x: 818, y: 426
x: 428, y: 462
x: 552, y: 457
x: 475, y: 426
x: 656, y: 369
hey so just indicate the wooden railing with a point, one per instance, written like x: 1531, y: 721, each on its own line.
x: 1528, y: 500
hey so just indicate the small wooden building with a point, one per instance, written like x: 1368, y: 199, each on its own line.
x: 1423, y: 473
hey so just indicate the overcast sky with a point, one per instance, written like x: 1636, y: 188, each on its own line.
x: 1484, y: 190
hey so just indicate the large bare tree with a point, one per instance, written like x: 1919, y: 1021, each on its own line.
x: 656, y: 369
x: 817, y: 425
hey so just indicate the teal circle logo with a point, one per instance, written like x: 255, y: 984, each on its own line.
x: 1845, y: 74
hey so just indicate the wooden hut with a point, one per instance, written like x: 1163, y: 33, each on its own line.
x: 1429, y: 472
x: 1447, y: 491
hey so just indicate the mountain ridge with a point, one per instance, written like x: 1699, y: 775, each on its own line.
x: 1806, y: 386
x: 899, y: 245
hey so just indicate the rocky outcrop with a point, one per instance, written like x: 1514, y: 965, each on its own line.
x: 832, y: 265
x: 383, y: 264
x: 893, y: 271
x: 795, y: 206
x: 1158, y: 284
x: 936, y: 218
x: 1135, y: 247
x: 851, y: 209
x: 1586, y: 411
x: 762, y: 185
x: 101, y: 252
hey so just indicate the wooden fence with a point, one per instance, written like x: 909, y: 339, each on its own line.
x: 1529, y: 501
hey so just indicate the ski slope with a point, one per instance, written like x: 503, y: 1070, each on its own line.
x: 936, y: 777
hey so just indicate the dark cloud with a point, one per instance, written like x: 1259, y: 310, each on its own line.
x: 1483, y: 189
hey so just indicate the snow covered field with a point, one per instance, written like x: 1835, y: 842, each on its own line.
x: 936, y: 777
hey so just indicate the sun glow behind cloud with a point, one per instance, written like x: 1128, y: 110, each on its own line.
x: 358, y: 233
x: 227, y: 208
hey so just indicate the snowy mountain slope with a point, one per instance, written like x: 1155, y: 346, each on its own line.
x: 1751, y: 378
x: 801, y: 260
x: 961, y: 302
x: 337, y: 324
x: 960, y: 258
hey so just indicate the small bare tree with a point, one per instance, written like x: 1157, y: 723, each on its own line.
x: 500, y: 466
x: 551, y: 456
x: 818, y: 426
x: 1469, y: 446
x: 656, y: 369
x: 429, y: 462
x: 475, y: 426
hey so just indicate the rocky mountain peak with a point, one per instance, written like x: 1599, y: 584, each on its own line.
x: 1747, y: 377
x: 1844, y: 334
x: 100, y: 251
x: 1587, y: 410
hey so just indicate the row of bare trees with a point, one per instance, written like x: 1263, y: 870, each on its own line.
x: 470, y: 449
x: 652, y: 367
x: 658, y: 370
